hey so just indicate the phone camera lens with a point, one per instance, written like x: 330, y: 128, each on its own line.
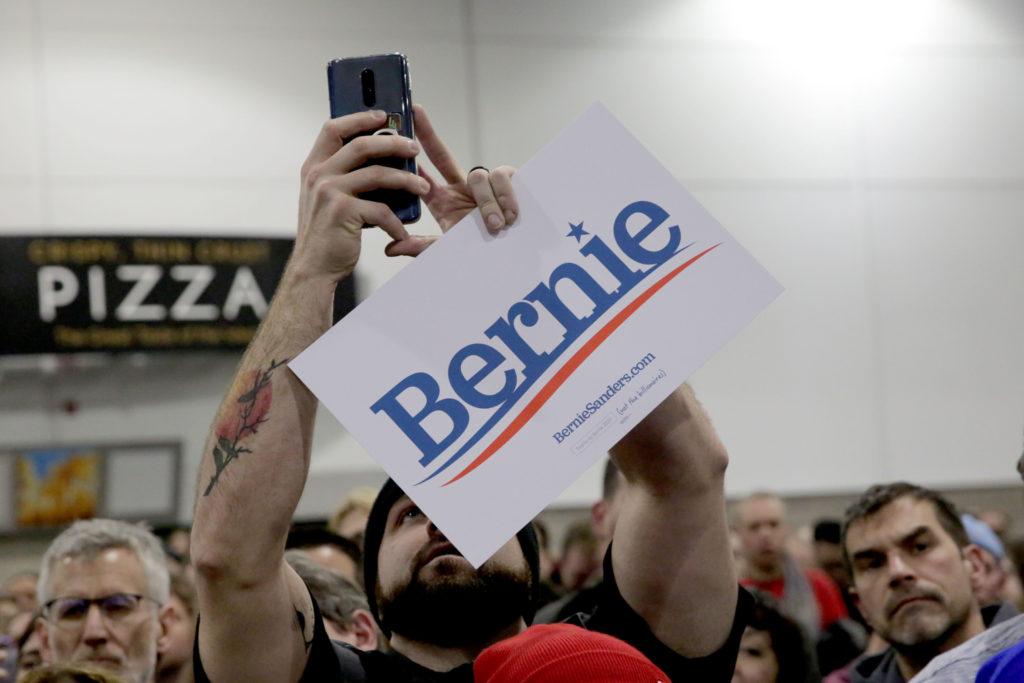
x: 369, y: 87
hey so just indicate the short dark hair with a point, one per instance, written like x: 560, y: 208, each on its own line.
x: 881, y: 495
x: 828, y: 531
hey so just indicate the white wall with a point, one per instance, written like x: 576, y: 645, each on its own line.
x: 868, y: 153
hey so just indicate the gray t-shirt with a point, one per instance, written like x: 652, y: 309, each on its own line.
x: 962, y: 663
x: 882, y: 668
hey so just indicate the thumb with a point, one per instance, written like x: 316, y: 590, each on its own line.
x: 413, y: 245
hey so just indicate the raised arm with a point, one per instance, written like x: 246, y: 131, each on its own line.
x: 670, y: 550
x: 256, y: 616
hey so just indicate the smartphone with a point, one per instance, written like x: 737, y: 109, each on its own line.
x: 380, y: 82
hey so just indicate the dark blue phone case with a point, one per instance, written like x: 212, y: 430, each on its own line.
x: 394, y: 96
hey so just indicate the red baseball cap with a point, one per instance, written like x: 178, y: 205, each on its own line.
x: 566, y: 654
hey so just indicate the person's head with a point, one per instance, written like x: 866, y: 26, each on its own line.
x: 563, y: 653
x: 772, y: 648
x: 911, y: 563
x: 605, y: 512
x: 343, y: 605
x: 997, y: 520
x: 419, y: 587
x: 760, y: 522
x: 181, y: 626
x: 104, y: 588
x: 828, y: 551
x: 328, y: 549
x: 20, y: 589
x: 989, y: 578
x: 580, y: 556
x: 349, y: 520
x: 178, y: 541
x: 22, y: 630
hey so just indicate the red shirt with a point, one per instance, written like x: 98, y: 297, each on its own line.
x: 830, y: 602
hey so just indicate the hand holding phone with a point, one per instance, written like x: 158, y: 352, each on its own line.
x: 379, y: 82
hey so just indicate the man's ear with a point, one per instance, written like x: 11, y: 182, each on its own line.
x: 168, y: 616
x: 974, y: 562
x: 364, y: 628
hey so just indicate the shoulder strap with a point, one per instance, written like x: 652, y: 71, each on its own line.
x: 352, y: 670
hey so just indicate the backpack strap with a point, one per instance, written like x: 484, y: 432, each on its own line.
x: 351, y: 666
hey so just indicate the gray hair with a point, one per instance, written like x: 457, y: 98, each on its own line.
x: 88, y: 538
x: 337, y: 597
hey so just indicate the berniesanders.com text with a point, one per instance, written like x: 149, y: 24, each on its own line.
x: 593, y: 406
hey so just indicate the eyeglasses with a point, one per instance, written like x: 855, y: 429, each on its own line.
x: 71, y: 612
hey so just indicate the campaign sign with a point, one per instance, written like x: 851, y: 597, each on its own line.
x: 492, y: 371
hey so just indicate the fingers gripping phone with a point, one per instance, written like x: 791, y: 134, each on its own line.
x: 378, y: 82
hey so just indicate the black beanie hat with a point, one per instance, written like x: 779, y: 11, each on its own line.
x: 374, y: 534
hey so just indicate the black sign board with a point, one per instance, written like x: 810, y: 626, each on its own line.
x: 68, y: 294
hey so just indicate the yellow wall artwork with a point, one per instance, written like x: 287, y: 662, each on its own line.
x: 57, y: 486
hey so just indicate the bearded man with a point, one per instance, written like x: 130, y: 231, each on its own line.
x: 912, y: 566
x: 670, y: 586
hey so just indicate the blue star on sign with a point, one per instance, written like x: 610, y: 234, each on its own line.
x: 576, y: 230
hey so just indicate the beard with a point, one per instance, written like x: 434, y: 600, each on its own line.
x: 457, y: 608
x: 137, y: 669
x: 924, y: 629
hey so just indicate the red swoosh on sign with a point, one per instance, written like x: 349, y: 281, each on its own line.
x: 571, y: 365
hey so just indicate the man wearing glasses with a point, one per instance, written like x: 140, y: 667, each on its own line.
x: 104, y: 590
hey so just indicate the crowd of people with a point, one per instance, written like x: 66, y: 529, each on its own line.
x: 662, y: 583
x: 903, y: 588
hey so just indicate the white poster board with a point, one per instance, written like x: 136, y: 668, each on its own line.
x: 492, y: 371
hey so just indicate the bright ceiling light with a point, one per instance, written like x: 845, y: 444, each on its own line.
x: 829, y: 39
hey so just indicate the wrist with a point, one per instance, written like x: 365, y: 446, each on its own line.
x: 305, y: 282
x: 306, y: 299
